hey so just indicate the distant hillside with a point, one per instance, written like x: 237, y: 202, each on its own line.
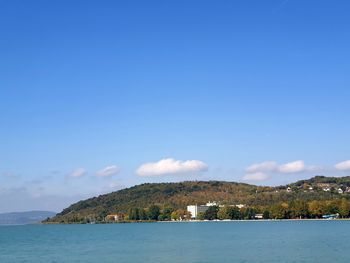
x: 179, y: 195
x: 21, y: 218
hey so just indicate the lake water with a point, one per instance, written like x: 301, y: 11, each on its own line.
x: 275, y: 241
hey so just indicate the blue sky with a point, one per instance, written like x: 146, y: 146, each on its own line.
x: 100, y: 95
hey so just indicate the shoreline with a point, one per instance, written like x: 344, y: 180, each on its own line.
x: 201, y: 221
x: 260, y: 220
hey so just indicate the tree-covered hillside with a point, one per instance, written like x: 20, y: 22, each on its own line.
x: 177, y: 196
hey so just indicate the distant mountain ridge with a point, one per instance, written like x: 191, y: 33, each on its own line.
x: 22, y: 218
x: 179, y: 195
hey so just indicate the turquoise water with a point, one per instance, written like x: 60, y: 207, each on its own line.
x: 279, y: 241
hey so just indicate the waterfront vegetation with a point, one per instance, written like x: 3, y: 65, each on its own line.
x: 168, y: 201
x: 296, y: 209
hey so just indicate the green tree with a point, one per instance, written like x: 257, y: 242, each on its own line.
x: 175, y: 216
x: 134, y: 213
x: 344, y: 208
x: 266, y: 214
x: 165, y: 215
x: 280, y: 211
x: 234, y: 213
x: 211, y: 213
x: 102, y: 215
x: 142, y: 214
x: 153, y: 212
x: 249, y: 213
x: 299, y: 209
x: 316, y: 209
x: 223, y: 213
x: 200, y: 216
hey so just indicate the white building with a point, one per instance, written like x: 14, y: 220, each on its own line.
x: 196, y: 209
x: 211, y: 203
x: 259, y: 216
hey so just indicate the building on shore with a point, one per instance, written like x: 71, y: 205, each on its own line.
x: 115, y: 217
x: 259, y: 216
x: 196, y: 209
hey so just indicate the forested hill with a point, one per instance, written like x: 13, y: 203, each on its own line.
x: 179, y: 195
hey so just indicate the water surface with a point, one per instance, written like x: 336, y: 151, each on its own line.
x: 275, y: 241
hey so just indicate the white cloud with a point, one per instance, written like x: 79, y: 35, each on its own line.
x: 267, y: 166
x: 293, y: 167
x: 108, y: 171
x: 343, y: 165
x: 263, y: 171
x: 171, y: 166
x: 79, y: 172
x: 259, y: 176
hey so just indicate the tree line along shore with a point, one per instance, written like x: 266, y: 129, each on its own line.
x: 296, y: 209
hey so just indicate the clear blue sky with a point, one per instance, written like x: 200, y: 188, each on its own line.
x: 92, y: 90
